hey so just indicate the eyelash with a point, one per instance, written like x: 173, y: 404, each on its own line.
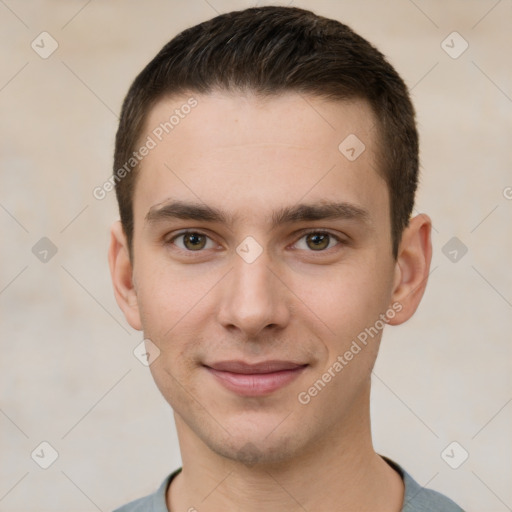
x: 303, y: 234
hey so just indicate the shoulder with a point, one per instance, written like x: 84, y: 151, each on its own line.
x: 139, y: 505
x: 155, y: 502
x: 421, y: 499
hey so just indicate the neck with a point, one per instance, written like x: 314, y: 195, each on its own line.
x: 338, y: 472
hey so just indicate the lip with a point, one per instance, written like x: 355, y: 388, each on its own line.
x: 255, y: 379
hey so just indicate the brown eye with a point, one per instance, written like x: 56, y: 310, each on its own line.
x: 318, y: 241
x: 194, y: 241
x: 191, y: 241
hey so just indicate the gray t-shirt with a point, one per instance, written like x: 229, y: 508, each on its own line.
x: 416, y: 498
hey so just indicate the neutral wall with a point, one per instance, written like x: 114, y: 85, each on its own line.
x: 67, y: 372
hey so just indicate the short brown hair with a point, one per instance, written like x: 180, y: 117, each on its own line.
x: 270, y: 50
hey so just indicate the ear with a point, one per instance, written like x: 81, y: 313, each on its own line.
x: 412, y: 267
x: 121, y: 272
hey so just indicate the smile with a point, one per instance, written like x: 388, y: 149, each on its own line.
x: 255, y: 379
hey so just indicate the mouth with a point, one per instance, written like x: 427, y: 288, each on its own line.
x: 258, y: 379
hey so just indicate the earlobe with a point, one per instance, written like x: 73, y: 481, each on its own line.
x: 412, y: 267
x: 121, y: 272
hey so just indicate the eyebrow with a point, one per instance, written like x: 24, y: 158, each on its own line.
x: 176, y: 209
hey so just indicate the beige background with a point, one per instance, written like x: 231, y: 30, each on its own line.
x: 68, y: 374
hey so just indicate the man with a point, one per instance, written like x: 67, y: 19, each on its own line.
x: 265, y: 167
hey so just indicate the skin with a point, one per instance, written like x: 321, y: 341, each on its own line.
x: 250, y: 157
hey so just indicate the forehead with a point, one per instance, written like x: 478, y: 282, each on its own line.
x: 246, y: 153
x: 223, y: 118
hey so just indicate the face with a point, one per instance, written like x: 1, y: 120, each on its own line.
x: 262, y: 253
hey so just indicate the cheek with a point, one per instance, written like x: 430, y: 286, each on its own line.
x: 347, y: 299
x: 165, y: 294
x: 168, y: 304
x: 174, y: 303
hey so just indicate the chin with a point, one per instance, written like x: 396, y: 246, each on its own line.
x: 253, y: 453
x: 256, y: 443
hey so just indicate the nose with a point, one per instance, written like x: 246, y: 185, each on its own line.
x: 253, y: 298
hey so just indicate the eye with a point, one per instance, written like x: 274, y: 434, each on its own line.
x: 318, y: 241
x: 196, y: 241
x: 192, y: 241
